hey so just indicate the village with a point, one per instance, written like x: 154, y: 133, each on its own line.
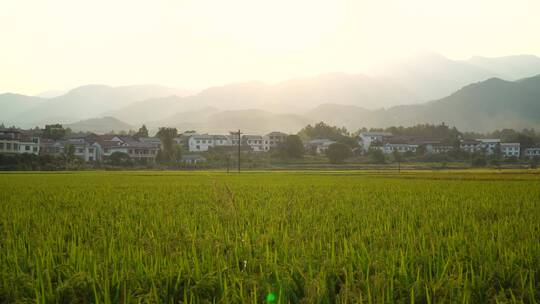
x: 93, y: 148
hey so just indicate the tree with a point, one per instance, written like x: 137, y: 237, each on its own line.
x: 377, y: 156
x: 324, y: 131
x: 54, y: 132
x: 167, y: 135
x: 120, y: 159
x: 68, y: 155
x: 338, y: 152
x: 143, y: 132
x: 421, y: 150
x: 292, y: 147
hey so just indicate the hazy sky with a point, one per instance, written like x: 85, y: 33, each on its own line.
x: 58, y: 44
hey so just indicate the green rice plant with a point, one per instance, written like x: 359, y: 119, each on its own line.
x: 270, y: 237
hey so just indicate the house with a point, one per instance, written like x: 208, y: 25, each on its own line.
x: 29, y: 143
x: 319, y: 146
x: 400, y: 144
x: 490, y: 145
x: 273, y: 139
x: 143, y: 150
x: 201, y: 143
x: 9, y: 141
x: 255, y: 142
x: 151, y: 140
x: 437, y: 147
x: 532, y: 152
x: 510, y: 149
x: 470, y: 145
x: 18, y: 142
x: 366, y: 139
x: 82, y: 148
x: 389, y: 148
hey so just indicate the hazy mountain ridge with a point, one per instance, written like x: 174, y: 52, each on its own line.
x: 512, y: 67
x: 88, y: 101
x: 351, y: 100
x: 483, y: 106
x: 100, y: 125
x: 433, y: 76
x: 12, y: 105
x: 253, y: 121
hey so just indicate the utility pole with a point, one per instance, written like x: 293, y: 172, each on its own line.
x: 239, y: 144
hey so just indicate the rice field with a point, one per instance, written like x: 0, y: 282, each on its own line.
x: 270, y: 237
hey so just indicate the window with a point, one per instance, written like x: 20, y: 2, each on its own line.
x: 80, y: 150
x: 91, y: 150
x: 26, y: 148
x: 15, y: 146
x: 1, y: 146
x: 34, y: 149
x: 90, y: 158
x: 198, y: 147
x: 8, y: 146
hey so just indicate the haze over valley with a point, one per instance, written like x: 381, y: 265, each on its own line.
x: 477, y: 94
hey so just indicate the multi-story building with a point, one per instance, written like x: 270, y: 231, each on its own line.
x: 390, y: 148
x: 489, y: 146
x: 437, y: 148
x: 202, y: 142
x: 255, y: 142
x: 19, y: 142
x: 366, y: 139
x: 510, y: 149
x: 273, y: 139
x: 9, y: 141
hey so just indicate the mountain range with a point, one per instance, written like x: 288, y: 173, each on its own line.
x: 80, y: 103
x: 477, y: 94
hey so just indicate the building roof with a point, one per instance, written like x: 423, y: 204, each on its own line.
x: 489, y: 140
x: 470, y: 142
x: 276, y: 133
x: 510, y: 144
x: 376, y: 134
x: 252, y: 137
x: 202, y: 136
x: 321, y: 141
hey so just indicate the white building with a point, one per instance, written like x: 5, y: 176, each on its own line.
x: 475, y: 145
x: 390, y: 148
x: 510, y: 149
x: 367, y: 138
x: 18, y: 142
x: 31, y: 146
x: 255, y: 142
x: 437, y: 148
x: 532, y: 152
x: 273, y: 139
x: 202, y: 142
x: 490, y: 144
